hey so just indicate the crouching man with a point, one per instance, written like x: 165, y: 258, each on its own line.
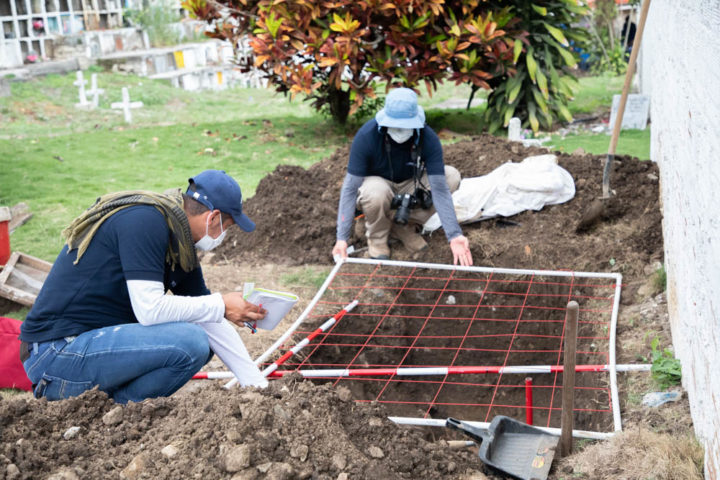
x: 103, y: 316
x: 397, y: 177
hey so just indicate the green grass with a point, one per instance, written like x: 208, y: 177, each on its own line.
x: 60, y: 176
x: 18, y: 314
x: 58, y: 159
x: 631, y: 142
x: 596, y: 93
x: 46, y: 105
x: 308, y: 277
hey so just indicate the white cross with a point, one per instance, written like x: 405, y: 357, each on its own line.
x: 94, y: 90
x: 80, y: 83
x: 126, y: 105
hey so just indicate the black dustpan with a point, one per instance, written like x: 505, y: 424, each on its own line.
x: 515, y: 448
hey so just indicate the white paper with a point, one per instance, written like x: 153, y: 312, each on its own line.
x: 277, y: 304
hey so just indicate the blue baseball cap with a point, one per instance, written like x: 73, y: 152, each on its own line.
x: 401, y: 110
x: 219, y: 191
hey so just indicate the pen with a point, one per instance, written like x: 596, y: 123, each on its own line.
x: 253, y: 327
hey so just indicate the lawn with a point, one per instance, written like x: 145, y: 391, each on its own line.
x: 635, y: 143
x: 59, y: 159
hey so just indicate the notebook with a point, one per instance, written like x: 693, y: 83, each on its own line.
x: 277, y: 304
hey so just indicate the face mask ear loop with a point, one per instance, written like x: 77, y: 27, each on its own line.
x: 222, y: 230
x: 207, y: 225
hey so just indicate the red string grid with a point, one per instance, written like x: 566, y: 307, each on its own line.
x: 424, y: 317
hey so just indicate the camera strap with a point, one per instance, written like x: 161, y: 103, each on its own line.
x: 415, y: 156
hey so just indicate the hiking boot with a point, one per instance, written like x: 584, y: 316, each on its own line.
x: 378, y: 249
x: 409, y: 237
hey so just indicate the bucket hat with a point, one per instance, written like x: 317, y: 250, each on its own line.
x: 401, y: 110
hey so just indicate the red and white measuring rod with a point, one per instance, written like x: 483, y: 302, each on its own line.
x: 302, y: 343
x: 271, y: 368
x: 271, y: 371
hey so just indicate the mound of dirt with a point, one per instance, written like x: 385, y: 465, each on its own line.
x: 295, y: 211
x: 291, y: 430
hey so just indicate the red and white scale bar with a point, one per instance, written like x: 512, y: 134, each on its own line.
x: 271, y: 368
x: 271, y: 371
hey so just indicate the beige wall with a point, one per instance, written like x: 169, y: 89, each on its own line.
x: 680, y: 69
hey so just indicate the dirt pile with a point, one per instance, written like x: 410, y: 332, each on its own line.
x: 291, y: 430
x: 295, y: 211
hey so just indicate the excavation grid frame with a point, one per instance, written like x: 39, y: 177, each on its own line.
x: 434, y: 340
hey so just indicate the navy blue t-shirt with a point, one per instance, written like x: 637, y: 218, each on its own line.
x: 130, y: 245
x: 368, y: 156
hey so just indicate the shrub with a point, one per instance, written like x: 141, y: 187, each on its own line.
x: 334, y: 52
x: 542, y: 85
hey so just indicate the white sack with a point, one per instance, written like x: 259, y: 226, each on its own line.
x: 510, y: 189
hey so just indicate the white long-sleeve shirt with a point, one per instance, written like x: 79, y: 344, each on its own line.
x: 152, y: 306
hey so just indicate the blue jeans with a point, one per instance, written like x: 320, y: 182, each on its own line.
x: 129, y: 362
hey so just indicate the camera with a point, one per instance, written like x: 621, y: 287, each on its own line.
x: 404, y: 202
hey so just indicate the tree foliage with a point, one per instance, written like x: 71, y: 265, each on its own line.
x: 333, y: 51
x: 543, y: 84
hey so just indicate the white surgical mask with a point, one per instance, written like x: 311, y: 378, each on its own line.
x: 207, y: 243
x: 400, y: 135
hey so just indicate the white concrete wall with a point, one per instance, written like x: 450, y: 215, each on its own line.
x: 680, y: 69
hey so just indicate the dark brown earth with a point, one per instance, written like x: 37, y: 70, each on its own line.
x: 290, y: 430
x: 304, y: 430
x: 295, y: 211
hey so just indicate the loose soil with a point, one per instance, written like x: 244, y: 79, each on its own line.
x: 299, y: 429
x: 295, y: 211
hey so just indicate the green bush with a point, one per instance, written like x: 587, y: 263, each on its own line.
x: 542, y: 85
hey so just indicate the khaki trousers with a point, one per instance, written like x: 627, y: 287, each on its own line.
x: 376, y: 193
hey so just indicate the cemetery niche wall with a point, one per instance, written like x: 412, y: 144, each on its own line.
x: 29, y: 28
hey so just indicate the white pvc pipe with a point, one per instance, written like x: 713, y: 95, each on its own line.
x: 442, y: 266
x: 431, y: 422
x: 615, y: 398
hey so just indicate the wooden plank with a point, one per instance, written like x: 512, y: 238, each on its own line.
x: 568, y: 391
x: 17, y: 296
x: 35, y: 262
x: 23, y: 277
x: 9, y: 267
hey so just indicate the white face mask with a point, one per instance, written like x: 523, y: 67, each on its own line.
x: 400, y: 135
x: 207, y: 243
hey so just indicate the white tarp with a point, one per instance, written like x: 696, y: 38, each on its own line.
x: 509, y: 189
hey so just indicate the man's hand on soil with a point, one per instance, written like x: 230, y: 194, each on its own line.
x: 460, y: 247
x: 239, y: 310
x: 340, y: 249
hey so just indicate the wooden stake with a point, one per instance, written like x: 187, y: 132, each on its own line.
x: 568, y: 393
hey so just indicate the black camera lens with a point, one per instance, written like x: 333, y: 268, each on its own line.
x: 424, y: 198
x: 406, y: 202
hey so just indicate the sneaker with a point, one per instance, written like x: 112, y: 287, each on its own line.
x: 378, y: 249
x: 409, y: 237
